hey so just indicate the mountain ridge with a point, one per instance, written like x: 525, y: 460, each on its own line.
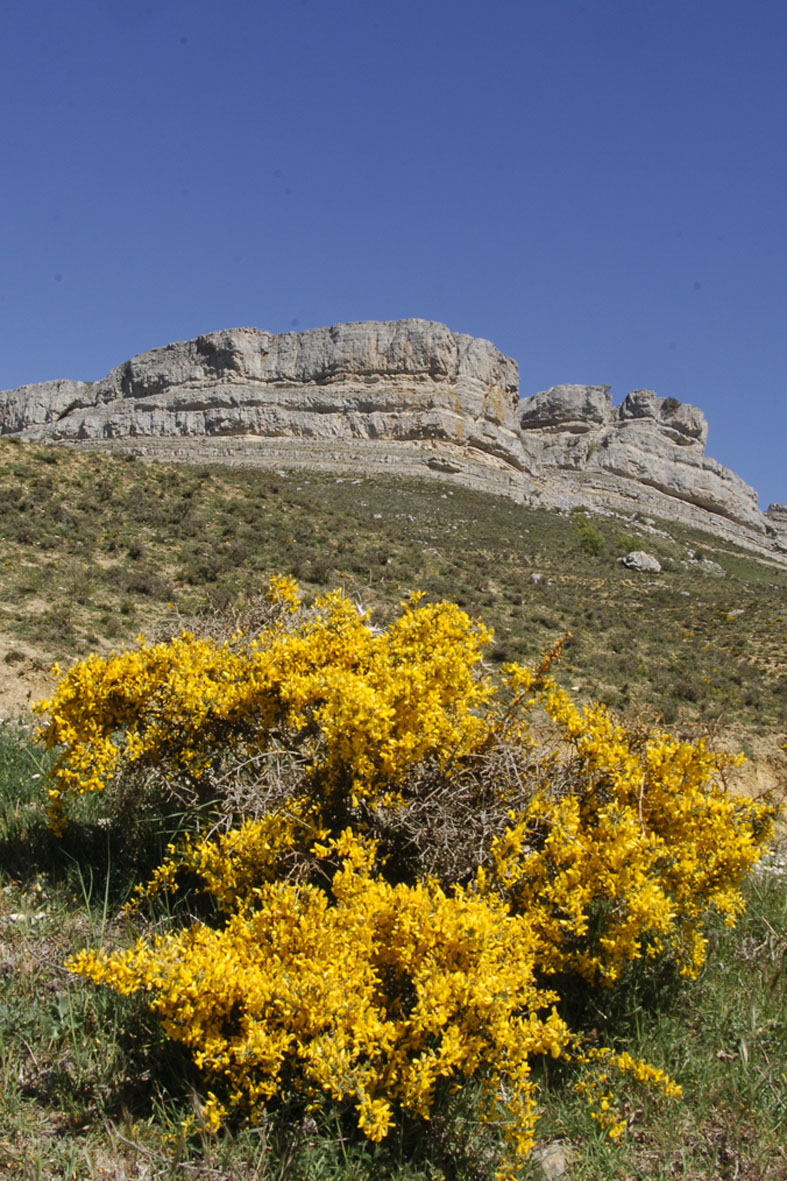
x: 407, y: 396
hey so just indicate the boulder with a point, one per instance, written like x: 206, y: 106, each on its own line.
x: 640, y: 561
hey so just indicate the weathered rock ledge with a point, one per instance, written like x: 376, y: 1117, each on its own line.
x: 409, y: 397
x: 645, y: 450
x: 776, y: 516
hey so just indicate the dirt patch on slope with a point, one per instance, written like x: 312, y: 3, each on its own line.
x: 23, y: 679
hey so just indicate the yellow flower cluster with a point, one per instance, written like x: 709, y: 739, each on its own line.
x: 361, y: 707
x: 630, y: 859
x: 598, y: 1088
x: 364, y: 991
x: 334, y: 971
x: 231, y: 866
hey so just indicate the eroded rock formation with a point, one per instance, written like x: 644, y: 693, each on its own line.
x: 776, y: 516
x: 407, y: 396
x: 646, y: 449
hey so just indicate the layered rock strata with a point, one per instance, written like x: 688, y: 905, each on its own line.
x: 776, y: 516
x: 408, y: 397
x: 408, y: 382
x: 646, y: 449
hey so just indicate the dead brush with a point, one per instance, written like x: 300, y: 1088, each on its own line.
x: 450, y: 815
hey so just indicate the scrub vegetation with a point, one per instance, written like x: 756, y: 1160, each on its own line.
x: 338, y: 883
x: 97, y: 549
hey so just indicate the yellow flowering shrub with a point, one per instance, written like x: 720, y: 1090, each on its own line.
x: 360, y: 708
x: 362, y: 991
x: 399, y: 917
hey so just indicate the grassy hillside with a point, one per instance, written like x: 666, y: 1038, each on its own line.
x: 96, y: 549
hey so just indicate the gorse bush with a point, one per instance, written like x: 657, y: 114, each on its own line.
x: 357, y: 710
x: 401, y: 882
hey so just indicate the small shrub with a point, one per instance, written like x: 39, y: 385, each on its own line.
x: 591, y: 539
x: 140, y: 580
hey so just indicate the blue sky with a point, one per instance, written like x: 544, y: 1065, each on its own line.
x: 599, y: 187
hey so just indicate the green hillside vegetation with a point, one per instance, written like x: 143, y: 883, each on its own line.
x: 377, y: 773
x: 96, y: 549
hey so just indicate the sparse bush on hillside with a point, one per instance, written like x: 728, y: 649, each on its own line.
x: 590, y: 536
x: 402, y: 886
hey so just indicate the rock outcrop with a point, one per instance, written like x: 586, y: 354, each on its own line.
x: 410, y: 397
x: 646, y: 449
x: 776, y: 516
x: 38, y: 407
x: 408, y: 394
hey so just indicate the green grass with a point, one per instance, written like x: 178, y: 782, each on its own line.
x: 90, y: 1089
x: 723, y: 1038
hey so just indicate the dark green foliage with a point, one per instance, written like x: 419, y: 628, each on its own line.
x: 590, y: 536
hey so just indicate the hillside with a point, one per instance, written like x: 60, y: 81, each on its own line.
x: 98, y: 549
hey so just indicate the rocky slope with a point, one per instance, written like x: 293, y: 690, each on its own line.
x: 408, y: 396
x: 645, y: 450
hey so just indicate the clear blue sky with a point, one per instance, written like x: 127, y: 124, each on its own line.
x: 600, y: 188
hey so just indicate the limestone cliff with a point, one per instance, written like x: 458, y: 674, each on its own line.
x: 648, y: 450
x: 409, y: 397
x: 408, y: 393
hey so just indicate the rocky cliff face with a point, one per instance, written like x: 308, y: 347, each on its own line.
x: 39, y: 407
x: 409, y: 380
x: 407, y: 396
x: 645, y: 450
x: 776, y: 517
